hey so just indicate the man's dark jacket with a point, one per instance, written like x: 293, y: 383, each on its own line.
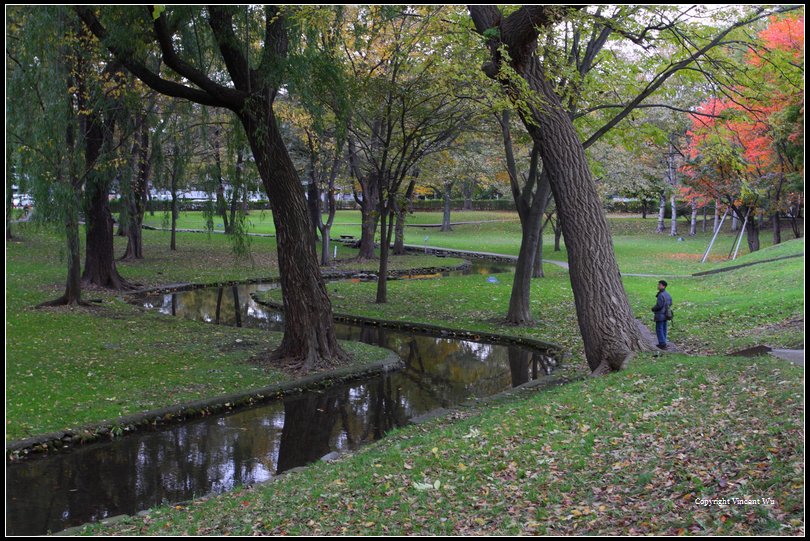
x: 660, y: 308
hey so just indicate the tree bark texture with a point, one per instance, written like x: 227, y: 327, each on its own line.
x: 136, y: 199
x: 693, y: 221
x: 99, y: 263
x: 606, y: 321
x: 309, y: 335
x: 661, y: 213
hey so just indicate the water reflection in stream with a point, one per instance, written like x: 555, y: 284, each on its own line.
x: 218, y: 453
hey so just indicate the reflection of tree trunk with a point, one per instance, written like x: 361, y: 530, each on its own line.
x: 414, y: 355
x: 236, y: 308
x: 220, y: 291
x: 308, y: 424
x: 519, y: 365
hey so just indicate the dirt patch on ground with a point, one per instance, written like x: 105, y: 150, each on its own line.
x: 680, y: 256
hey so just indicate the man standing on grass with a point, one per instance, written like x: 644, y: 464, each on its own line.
x: 661, y: 310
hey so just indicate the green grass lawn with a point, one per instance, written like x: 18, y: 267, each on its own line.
x: 629, y: 453
x: 638, y: 248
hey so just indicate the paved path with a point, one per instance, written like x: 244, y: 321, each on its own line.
x: 796, y: 356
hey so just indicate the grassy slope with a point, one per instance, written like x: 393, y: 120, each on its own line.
x: 629, y: 453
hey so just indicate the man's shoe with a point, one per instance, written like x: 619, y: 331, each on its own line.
x: 661, y: 346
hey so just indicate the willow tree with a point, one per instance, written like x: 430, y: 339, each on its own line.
x: 247, y: 71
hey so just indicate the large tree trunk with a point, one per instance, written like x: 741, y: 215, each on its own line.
x: 606, y: 321
x: 99, y: 263
x: 309, y: 335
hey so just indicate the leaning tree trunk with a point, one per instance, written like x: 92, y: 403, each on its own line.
x: 309, y: 334
x: 606, y: 321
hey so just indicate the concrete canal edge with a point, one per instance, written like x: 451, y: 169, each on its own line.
x: 66, y: 439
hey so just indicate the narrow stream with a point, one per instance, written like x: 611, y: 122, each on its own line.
x: 218, y: 453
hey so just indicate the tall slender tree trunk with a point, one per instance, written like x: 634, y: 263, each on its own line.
x: 557, y: 234
x: 402, y: 211
x: 314, y: 204
x: 448, y: 187
x: 520, y: 299
x: 386, y: 231
x: 693, y: 221
x: 705, y: 218
x: 309, y: 333
x: 538, y: 257
x: 777, y: 228
x: 752, y: 232
x: 673, y: 229
x: 662, y: 204
x: 222, y: 204
x: 136, y: 203
x: 716, y: 216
